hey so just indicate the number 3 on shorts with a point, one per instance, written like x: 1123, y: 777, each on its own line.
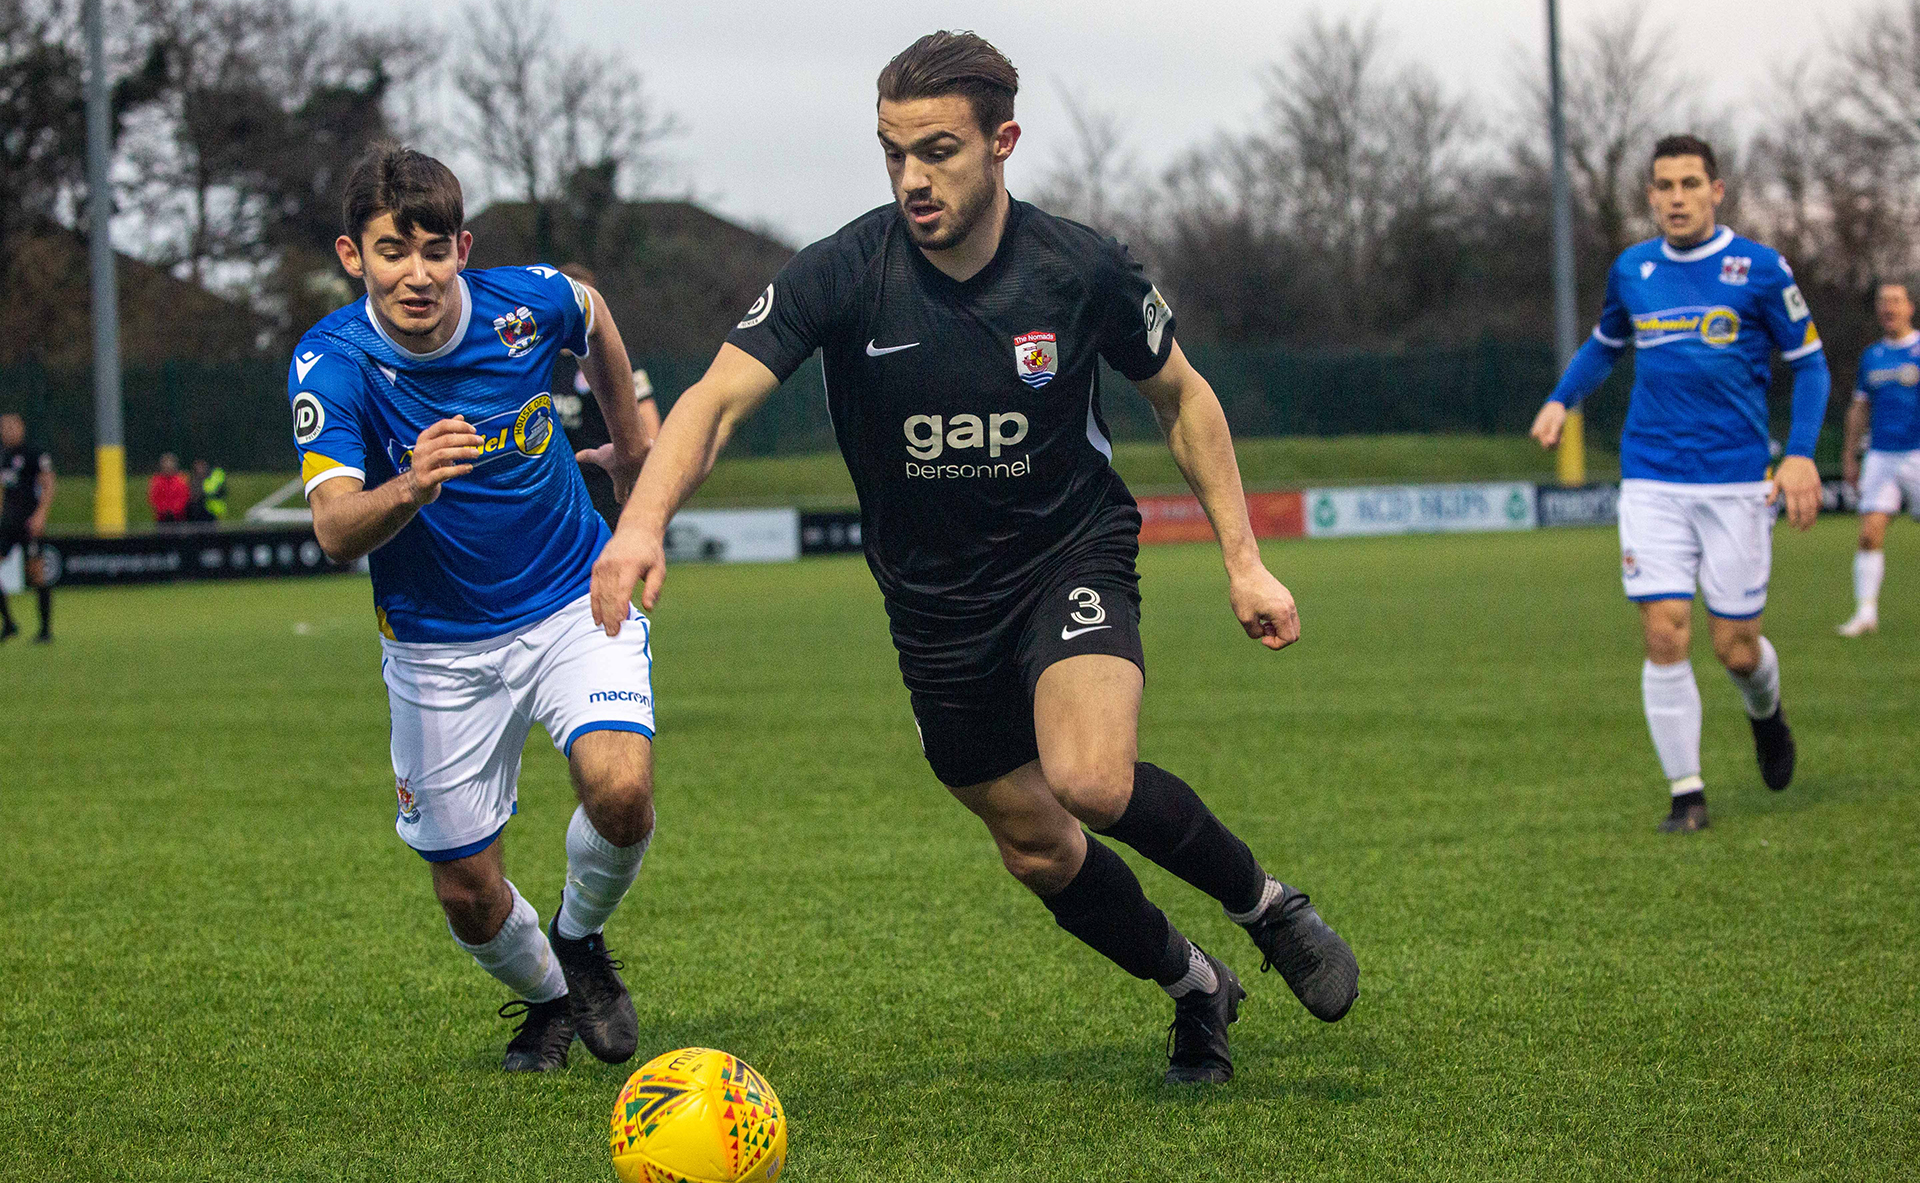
x: 1087, y: 609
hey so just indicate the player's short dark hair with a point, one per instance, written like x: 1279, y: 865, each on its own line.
x: 415, y: 188
x: 947, y: 63
x: 1686, y: 145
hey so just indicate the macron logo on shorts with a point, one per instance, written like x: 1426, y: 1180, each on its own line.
x: 619, y: 696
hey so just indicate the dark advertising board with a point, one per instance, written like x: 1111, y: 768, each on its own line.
x: 74, y: 561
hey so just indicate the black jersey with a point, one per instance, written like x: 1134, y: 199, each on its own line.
x: 20, y: 470
x: 968, y: 412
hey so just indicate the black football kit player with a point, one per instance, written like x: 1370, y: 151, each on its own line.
x: 968, y: 412
x: 21, y: 467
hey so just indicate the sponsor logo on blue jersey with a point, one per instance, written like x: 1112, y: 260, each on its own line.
x: 525, y: 432
x: 1716, y: 325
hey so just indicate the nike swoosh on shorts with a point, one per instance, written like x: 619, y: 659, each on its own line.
x: 872, y: 351
x: 1068, y: 635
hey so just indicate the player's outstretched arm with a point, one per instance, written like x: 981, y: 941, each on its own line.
x: 609, y: 375
x: 351, y: 521
x: 702, y: 421
x: 1796, y: 480
x: 1856, y: 431
x: 1196, y: 428
x: 1591, y: 364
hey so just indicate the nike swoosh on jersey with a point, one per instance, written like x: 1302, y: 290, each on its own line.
x: 1067, y: 634
x: 301, y: 367
x: 872, y: 351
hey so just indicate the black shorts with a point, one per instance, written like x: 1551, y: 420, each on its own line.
x: 972, y: 686
x: 14, y: 534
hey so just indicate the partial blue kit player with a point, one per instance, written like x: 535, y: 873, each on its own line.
x: 1694, y: 456
x: 1890, y: 383
x: 1702, y: 323
x: 482, y: 597
x: 511, y: 542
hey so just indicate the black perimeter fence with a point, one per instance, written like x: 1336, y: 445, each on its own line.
x: 235, y: 413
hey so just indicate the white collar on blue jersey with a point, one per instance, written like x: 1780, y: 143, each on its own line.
x: 1711, y: 246
x: 453, y: 342
x: 1906, y: 342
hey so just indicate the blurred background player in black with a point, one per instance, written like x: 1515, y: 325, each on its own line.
x: 207, y: 493
x: 580, y: 414
x: 26, y: 492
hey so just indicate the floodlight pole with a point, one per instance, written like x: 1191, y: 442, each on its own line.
x: 1566, y: 333
x: 109, y: 443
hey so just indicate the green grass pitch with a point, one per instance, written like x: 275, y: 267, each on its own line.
x: 220, y: 963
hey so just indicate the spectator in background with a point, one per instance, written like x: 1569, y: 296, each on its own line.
x: 579, y: 413
x: 167, y: 492
x: 26, y: 492
x: 207, y: 495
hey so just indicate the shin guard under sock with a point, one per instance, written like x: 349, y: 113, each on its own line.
x: 1105, y: 908
x: 1169, y: 823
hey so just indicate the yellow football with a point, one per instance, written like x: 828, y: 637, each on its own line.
x: 698, y: 1116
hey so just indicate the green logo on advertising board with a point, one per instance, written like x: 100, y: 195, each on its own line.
x: 1517, y: 506
x: 1324, y: 514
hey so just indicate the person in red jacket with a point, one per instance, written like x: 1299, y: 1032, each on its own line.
x: 167, y: 492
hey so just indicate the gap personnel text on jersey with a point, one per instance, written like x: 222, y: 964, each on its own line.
x: 968, y: 411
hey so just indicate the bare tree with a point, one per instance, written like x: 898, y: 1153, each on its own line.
x: 551, y: 120
x: 1092, y: 178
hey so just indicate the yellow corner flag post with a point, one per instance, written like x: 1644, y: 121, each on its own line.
x: 1572, y: 452
x: 110, y: 490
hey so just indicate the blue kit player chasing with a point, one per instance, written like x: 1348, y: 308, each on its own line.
x: 1703, y: 309
x: 429, y: 444
x: 1887, y: 392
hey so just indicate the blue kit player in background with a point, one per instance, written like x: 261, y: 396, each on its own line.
x: 429, y: 445
x: 1887, y: 395
x: 1703, y: 309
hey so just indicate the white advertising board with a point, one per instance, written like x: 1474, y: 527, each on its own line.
x: 1419, y: 509
x: 734, y: 536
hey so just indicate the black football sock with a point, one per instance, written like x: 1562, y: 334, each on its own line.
x: 6, y: 614
x: 46, y: 611
x: 1169, y: 823
x: 1105, y: 907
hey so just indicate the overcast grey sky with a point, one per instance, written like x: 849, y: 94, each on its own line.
x: 776, y: 100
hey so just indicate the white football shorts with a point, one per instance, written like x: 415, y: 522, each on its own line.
x: 1884, y: 476
x: 1719, y: 537
x: 461, y: 714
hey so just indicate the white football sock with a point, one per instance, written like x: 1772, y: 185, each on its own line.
x: 1760, y: 690
x: 519, y: 954
x: 1268, y: 893
x: 598, y: 876
x: 1199, y: 975
x: 1672, y: 701
x: 1869, y: 566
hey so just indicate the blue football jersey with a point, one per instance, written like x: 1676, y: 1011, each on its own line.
x: 1890, y: 382
x: 511, y: 542
x: 1702, y: 323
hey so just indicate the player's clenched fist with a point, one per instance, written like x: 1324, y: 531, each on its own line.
x: 627, y: 561
x: 1265, y: 608
x: 445, y: 450
x: 1548, y: 424
x: 1798, y: 481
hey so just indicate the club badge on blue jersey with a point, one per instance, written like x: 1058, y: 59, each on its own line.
x: 517, y: 330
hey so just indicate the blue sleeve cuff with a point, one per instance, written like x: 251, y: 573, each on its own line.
x: 1588, y: 369
x: 1811, y: 386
